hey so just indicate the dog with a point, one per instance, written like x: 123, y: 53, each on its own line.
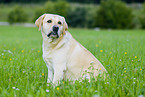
x: 63, y: 55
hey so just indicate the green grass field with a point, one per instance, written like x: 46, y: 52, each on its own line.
x: 23, y: 72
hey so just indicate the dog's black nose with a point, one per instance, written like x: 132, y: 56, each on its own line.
x: 55, y: 28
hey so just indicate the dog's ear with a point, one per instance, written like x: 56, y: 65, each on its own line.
x: 65, y: 26
x: 39, y: 22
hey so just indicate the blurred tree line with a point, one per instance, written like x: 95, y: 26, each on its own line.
x: 77, y: 1
x: 112, y: 14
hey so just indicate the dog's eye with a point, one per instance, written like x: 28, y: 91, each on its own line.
x: 59, y: 22
x: 49, y: 21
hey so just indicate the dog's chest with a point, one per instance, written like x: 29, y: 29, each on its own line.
x: 54, y: 57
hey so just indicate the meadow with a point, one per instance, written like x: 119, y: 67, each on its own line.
x: 23, y: 72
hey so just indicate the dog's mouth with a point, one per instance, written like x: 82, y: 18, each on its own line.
x: 53, y: 34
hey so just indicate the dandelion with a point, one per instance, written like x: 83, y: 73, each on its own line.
x: 135, y: 56
x: 125, y: 53
x: 14, y: 48
x: 101, y: 50
x: 10, y: 59
x: 57, y: 88
x: 97, y: 45
x: 38, y: 51
x: 100, y: 69
x: 47, y: 90
x: 124, y: 71
x: 22, y: 51
x: 140, y: 69
x: 42, y: 74
x: 111, y: 57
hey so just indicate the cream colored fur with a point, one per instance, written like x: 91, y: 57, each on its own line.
x: 64, y: 56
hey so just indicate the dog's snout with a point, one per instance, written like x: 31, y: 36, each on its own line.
x: 55, y: 28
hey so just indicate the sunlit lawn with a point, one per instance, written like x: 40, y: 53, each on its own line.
x: 23, y: 72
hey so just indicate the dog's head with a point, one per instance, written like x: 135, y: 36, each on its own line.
x: 52, y: 25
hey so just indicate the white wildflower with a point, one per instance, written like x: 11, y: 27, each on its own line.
x: 4, y: 50
x: 47, y: 90
x: 10, y: 52
x: 95, y: 95
x: 17, y: 89
x: 96, y: 91
x: 141, y: 96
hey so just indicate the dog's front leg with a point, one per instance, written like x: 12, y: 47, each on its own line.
x: 58, y: 74
x: 50, y: 74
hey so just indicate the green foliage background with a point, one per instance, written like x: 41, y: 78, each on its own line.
x: 110, y: 14
x: 113, y: 14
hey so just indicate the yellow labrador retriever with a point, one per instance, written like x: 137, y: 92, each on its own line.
x: 63, y: 55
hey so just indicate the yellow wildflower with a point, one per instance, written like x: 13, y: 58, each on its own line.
x: 125, y: 53
x: 38, y: 51
x: 22, y: 51
x: 101, y: 50
x: 140, y: 69
x: 124, y: 71
x: 57, y: 88
x: 14, y: 48
x: 135, y: 56
x: 10, y: 59
x: 111, y: 57
x: 42, y: 74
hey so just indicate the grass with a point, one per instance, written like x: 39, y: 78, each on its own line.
x: 23, y: 72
